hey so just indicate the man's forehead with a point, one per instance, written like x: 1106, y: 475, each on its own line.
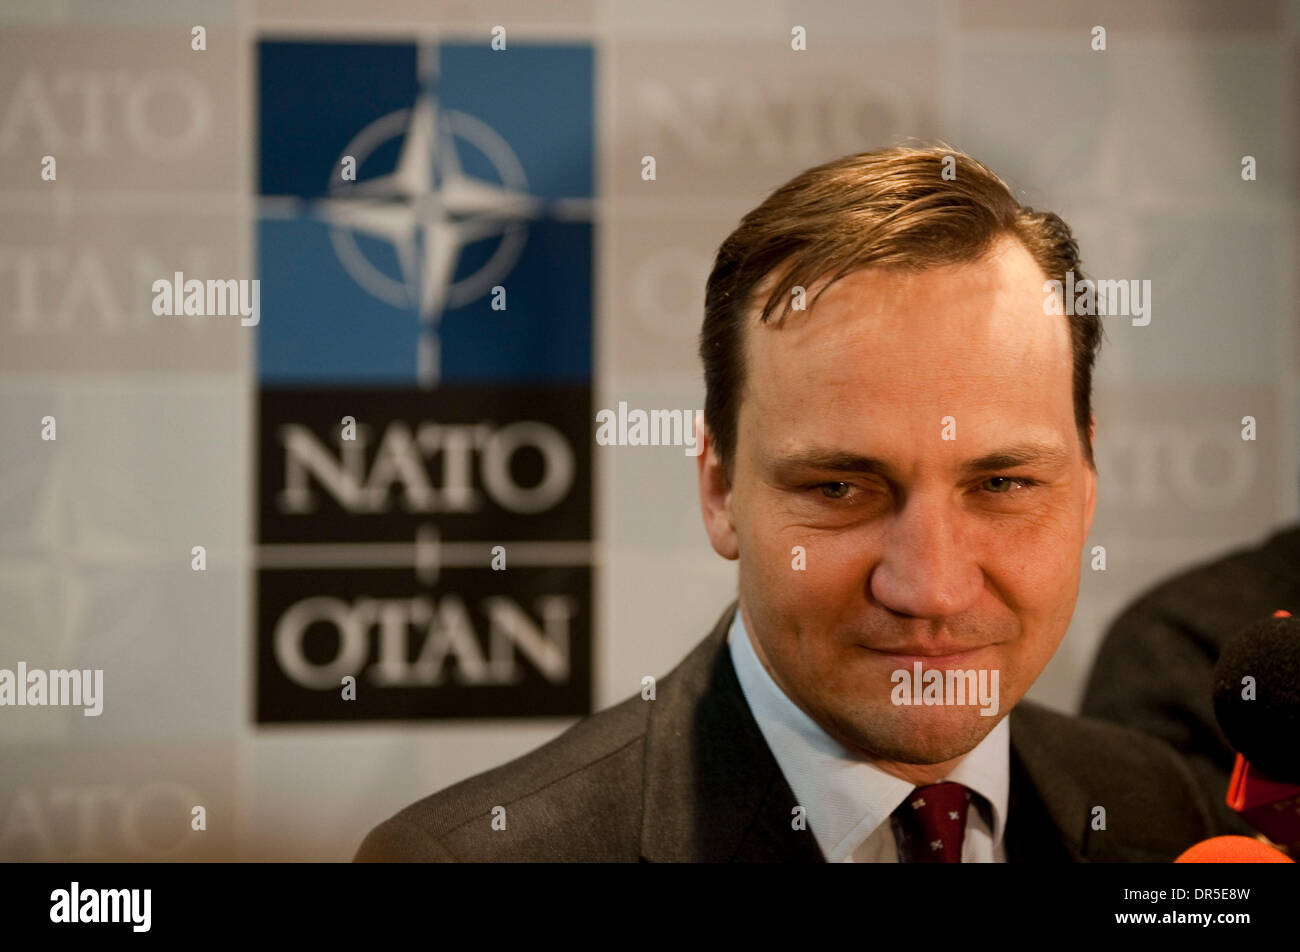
x: 1008, y: 282
x: 888, y: 328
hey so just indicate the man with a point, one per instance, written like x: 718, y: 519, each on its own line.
x: 901, y: 464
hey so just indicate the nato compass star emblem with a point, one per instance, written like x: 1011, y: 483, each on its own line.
x: 428, y: 209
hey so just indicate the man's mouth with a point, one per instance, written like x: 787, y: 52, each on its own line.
x: 929, y: 655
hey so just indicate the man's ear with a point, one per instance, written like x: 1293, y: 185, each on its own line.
x: 715, y: 494
x: 1090, y: 503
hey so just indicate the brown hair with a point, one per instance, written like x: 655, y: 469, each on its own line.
x: 887, y: 208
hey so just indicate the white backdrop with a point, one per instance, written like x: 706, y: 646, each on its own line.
x: 1139, y: 147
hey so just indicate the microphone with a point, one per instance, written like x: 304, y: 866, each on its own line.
x: 1232, y: 849
x: 1257, y: 704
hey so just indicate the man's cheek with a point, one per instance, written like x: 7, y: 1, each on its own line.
x: 816, y: 579
x: 1036, y: 557
x: 787, y: 551
x: 1046, y: 572
x: 770, y: 542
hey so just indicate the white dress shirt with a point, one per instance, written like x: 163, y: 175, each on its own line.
x: 847, y: 799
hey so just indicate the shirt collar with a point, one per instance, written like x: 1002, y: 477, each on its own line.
x: 845, y: 796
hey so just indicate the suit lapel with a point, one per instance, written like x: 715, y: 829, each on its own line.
x: 1047, y: 815
x: 713, y: 791
x: 1057, y: 808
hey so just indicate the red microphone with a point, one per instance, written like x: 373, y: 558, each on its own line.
x: 1232, y: 849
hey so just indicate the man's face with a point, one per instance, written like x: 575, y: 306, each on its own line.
x: 917, y: 547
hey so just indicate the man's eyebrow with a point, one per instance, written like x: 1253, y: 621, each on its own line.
x: 1022, y: 454
x: 1007, y: 457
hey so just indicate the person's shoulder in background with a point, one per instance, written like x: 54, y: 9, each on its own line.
x: 1155, y: 668
x: 574, y: 798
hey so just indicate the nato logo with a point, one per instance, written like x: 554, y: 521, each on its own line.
x: 424, y: 381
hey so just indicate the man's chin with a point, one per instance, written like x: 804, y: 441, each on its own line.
x: 922, y: 736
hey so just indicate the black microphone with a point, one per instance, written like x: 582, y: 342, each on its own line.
x: 1257, y: 704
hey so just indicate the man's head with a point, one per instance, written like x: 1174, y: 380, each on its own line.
x: 921, y: 431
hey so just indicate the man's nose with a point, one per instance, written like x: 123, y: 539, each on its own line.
x: 927, y: 568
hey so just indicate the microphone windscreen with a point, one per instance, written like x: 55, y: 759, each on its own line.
x: 1264, y: 728
x: 1232, y: 849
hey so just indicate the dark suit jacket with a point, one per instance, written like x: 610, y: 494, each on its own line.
x: 1177, y: 630
x: 688, y: 777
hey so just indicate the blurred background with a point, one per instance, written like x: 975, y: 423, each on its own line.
x: 490, y: 269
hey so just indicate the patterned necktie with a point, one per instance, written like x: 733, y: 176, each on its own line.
x: 930, y: 825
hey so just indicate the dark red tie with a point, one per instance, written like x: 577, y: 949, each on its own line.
x: 930, y: 825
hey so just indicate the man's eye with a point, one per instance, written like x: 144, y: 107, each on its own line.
x: 1006, y: 481
x: 835, y: 490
